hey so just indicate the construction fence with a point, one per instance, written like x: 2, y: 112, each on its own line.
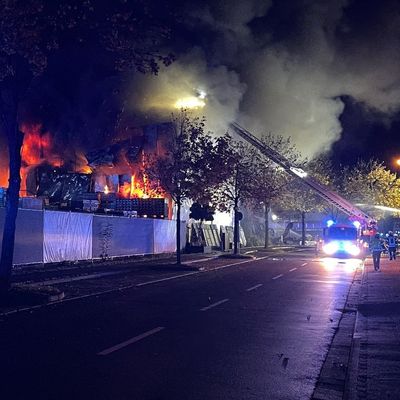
x: 44, y: 236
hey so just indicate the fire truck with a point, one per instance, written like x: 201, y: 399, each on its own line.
x: 341, y: 241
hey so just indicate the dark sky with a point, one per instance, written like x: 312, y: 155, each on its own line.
x: 326, y: 73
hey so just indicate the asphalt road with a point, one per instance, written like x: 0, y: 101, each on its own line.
x: 257, y: 330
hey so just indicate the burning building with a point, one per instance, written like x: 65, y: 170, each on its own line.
x: 111, y: 179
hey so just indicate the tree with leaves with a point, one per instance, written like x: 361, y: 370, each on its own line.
x: 300, y: 197
x: 371, y: 183
x: 237, y: 168
x: 271, y: 179
x: 186, y: 168
x: 31, y: 33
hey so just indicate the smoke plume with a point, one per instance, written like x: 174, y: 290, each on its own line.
x: 283, y: 67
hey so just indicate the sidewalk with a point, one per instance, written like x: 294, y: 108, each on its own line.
x: 378, y: 330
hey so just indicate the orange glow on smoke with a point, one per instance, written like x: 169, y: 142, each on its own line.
x: 36, y: 147
x: 81, y: 163
x: 3, y: 176
x: 125, y: 190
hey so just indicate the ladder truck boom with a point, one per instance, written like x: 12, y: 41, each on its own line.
x: 323, y: 191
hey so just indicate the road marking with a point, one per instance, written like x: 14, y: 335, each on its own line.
x: 214, y: 305
x: 253, y: 287
x: 251, y: 251
x: 130, y: 341
x: 200, y: 261
x: 278, y: 276
x: 293, y: 269
x: 127, y: 287
x: 303, y: 265
x: 166, y: 279
x: 233, y: 264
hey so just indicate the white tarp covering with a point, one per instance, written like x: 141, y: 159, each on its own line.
x: 122, y: 236
x: 67, y: 236
x: 165, y: 236
x: 28, y: 236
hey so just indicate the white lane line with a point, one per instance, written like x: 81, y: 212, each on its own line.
x: 166, y: 279
x: 303, y: 265
x: 253, y: 287
x: 278, y: 276
x: 120, y: 289
x: 251, y: 251
x: 293, y: 269
x: 130, y: 341
x: 200, y: 261
x: 233, y: 264
x: 214, y: 305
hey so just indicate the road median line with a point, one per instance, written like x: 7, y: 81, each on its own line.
x: 170, y: 278
x: 214, y: 305
x: 277, y: 277
x: 254, y: 287
x: 130, y: 341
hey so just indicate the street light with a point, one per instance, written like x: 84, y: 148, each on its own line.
x: 397, y: 164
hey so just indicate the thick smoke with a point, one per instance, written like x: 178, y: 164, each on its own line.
x: 156, y: 95
x: 283, y: 66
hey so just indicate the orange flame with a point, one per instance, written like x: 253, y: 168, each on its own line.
x: 138, y: 189
x: 37, y: 148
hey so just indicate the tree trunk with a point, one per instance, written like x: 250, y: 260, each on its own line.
x: 15, y: 139
x: 178, y: 230
x: 303, y: 228
x: 236, y: 243
x: 267, y: 209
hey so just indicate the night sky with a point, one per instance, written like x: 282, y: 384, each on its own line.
x: 326, y: 73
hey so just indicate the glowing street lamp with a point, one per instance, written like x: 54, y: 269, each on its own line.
x: 190, y: 102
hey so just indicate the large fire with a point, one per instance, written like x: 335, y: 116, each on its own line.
x: 139, y: 185
x: 39, y: 149
x: 36, y: 149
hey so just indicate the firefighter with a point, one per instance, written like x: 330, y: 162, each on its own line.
x: 392, y: 245
x: 376, y: 247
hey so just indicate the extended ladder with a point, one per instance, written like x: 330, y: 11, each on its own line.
x: 322, y: 190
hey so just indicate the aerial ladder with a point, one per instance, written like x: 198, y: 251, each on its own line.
x: 322, y: 190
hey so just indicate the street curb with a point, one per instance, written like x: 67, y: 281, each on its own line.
x: 350, y: 392
x: 198, y: 270
x: 334, y: 376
